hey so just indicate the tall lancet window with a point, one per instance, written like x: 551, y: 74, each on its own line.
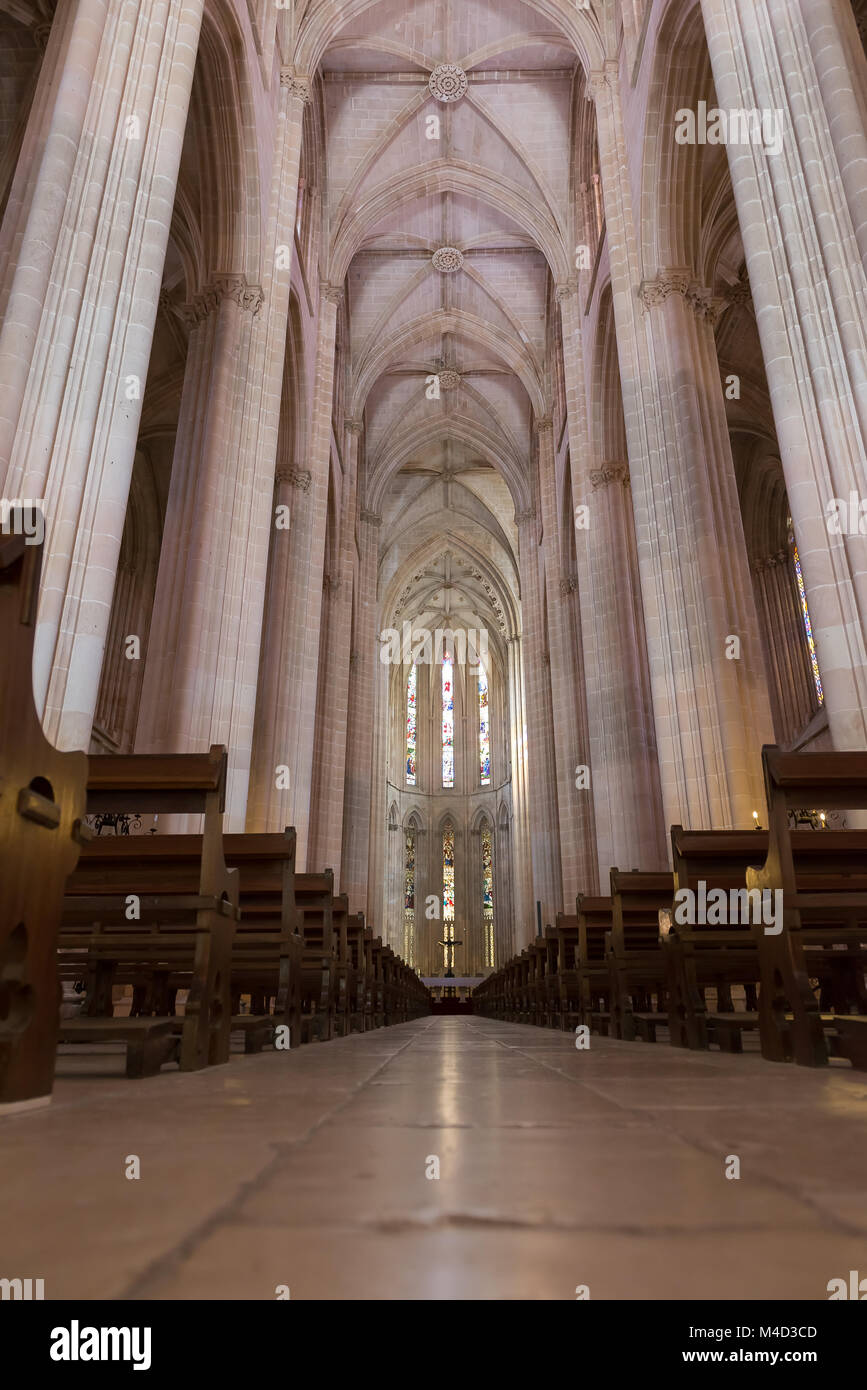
x: 411, y: 725
x: 488, y: 893
x: 448, y: 897
x: 484, y: 730
x: 409, y: 900
x: 805, y: 614
x: 448, y: 721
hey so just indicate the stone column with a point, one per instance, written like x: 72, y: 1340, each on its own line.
x: 541, y: 759
x: 790, y: 675
x: 203, y: 656
x: 574, y: 805
x: 627, y: 800
x: 267, y: 807
x: 803, y: 219
x: 709, y: 695
x: 84, y: 242
x: 520, y: 853
x: 287, y: 736
x: 359, y: 790
x: 330, y: 767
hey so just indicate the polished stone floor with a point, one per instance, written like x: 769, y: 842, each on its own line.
x: 558, y: 1168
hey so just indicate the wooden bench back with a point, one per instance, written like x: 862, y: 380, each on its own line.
x: 594, y: 919
x: 636, y: 902
x: 171, y: 783
x: 813, y: 781
x: 314, y: 901
x: 266, y: 871
x: 42, y: 806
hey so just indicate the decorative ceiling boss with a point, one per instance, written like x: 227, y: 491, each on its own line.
x: 447, y: 259
x: 448, y: 82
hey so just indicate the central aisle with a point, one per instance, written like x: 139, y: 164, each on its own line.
x: 558, y: 1168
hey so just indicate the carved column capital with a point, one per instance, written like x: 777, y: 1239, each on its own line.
x: 609, y: 473
x: 542, y: 424
x: 565, y: 290
x: 298, y: 84
x: 332, y: 293
x: 372, y: 518
x: 353, y: 426
x: 223, y: 287
x: 295, y: 477
x: 528, y: 515
x: 678, y: 280
x: 601, y: 80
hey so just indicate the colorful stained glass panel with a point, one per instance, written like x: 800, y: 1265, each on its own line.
x: 411, y: 726
x: 448, y: 722
x: 484, y: 730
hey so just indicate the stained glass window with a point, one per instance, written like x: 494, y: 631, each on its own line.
x: 409, y: 899
x: 805, y: 614
x: 488, y: 893
x: 448, y: 722
x: 448, y: 895
x: 411, y: 725
x: 484, y: 730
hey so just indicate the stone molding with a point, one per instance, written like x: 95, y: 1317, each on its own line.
x: 221, y: 288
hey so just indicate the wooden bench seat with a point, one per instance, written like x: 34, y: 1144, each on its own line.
x: 150, y: 1042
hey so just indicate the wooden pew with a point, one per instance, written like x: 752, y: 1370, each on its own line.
x: 314, y: 898
x: 159, y: 912
x: 634, y: 954
x: 374, y: 998
x: 42, y: 805
x: 343, y: 965
x: 268, y: 948
x: 549, y: 998
x: 358, y: 973
x: 594, y: 981
x: 718, y: 956
x: 823, y: 879
x: 568, y: 1007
